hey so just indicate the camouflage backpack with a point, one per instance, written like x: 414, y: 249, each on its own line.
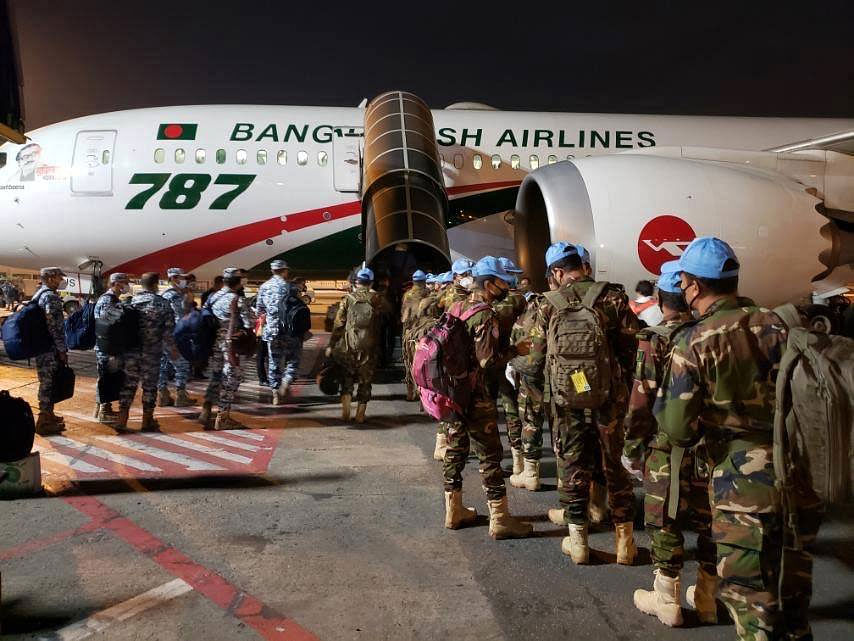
x: 360, y: 328
x: 579, y: 364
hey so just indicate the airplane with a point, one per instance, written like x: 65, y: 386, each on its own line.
x: 209, y: 186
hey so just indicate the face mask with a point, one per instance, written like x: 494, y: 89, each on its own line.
x: 182, y: 283
x: 501, y: 295
x: 466, y: 282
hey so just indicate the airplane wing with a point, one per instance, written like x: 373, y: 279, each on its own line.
x: 842, y: 142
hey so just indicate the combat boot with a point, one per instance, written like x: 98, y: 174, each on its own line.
x: 575, y: 545
x: 205, y: 414
x: 360, y: 412
x: 518, y: 461
x: 164, y: 398
x: 663, y: 600
x: 345, y: 407
x: 106, y: 414
x: 557, y: 516
x: 441, y: 446
x: 149, y: 423
x: 277, y: 400
x: 504, y: 526
x: 283, y: 391
x: 701, y: 596
x: 225, y: 422
x: 597, y: 509
x: 121, y: 424
x: 529, y: 478
x: 182, y: 399
x: 626, y: 549
x: 456, y: 515
x: 49, y: 424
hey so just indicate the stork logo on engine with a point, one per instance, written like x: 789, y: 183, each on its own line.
x: 663, y: 238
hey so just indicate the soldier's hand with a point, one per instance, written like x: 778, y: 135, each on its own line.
x: 523, y: 348
x: 328, y: 352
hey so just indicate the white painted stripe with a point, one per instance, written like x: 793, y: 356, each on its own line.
x: 230, y: 442
x: 62, y: 459
x: 244, y: 434
x: 198, y: 447
x: 191, y: 464
x: 102, y: 620
x: 94, y: 450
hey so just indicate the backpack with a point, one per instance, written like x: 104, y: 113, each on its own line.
x: 19, y: 428
x: 80, y: 328
x: 442, y: 365
x: 294, y: 315
x: 25, y: 333
x: 118, y: 334
x: 814, y: 417
x: 578, y: 351
x: 195, y: 333
x: 361, y: 325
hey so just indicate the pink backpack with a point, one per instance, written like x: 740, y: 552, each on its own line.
x: 442, y: 365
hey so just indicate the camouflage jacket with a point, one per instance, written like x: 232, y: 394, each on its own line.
x: 360, y: 293
x: 269, y: 295
x: 487, y: 352
x: 108, y: 303
x: 220, y: 304
x: 453, y: 293
x: 653, y: 350
x: 156, y: 321
x: 177, y: 301
x: 51, y: 303
x: 410, y: 304
x: 507, y: 311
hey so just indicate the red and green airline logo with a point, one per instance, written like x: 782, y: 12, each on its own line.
x: 176, y: 131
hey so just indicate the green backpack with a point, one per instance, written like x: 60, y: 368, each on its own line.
x: 361, y: 327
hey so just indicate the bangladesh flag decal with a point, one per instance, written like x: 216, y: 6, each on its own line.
x: 176, y: 131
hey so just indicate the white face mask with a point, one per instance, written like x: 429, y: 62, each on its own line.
x: 467, y: 282
x: 182, y: 283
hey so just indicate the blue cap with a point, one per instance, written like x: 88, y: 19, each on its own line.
x: 462, y: 266
x: 419, y: 276
x: 558, y: 251
x: 582, y: 251
x: 491, y: 266
x: 509, y: 266
x: 705, y: 257
x: 671, y: 277
x: 445, y: 278
x: 431, y: 278
x: 365, y: 274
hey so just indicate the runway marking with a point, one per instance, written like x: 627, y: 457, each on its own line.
x: 67, y: 461
x: 252, y: 436
x: 192, y: 464
x: 39, y: 544
x: 102, y: 620
x: 197, y: 447
x: 230, y: 442
x: 94, y: 450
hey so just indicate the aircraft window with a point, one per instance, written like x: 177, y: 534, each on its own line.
x: 496, y: 161
x: 241, y: 156
x: 159, y: 155
x: 514, y: 161
x: 570, y: 157
x: 458, y: 161
x: 105, y: 157
x: 302, y: 157
x: 220, y: 156
x: 180, y: 154
x: 200, y: 156
x: 322, y: 157
x: 477, y: 161
x: 282, y: 157
x: 534, y: 161
x: 261, y: 156
x: 552, y: 159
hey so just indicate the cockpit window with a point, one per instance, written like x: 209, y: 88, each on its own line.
x: 2, y: 159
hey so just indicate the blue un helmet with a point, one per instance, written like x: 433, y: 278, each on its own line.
x: 431, y: 278
x: 558, y: 251
x: 705, y: 257
x: 419, y: 276
x: 365, y: 274
x: 671, y: 277
x: 509, y: 266
x: 585, y: 255
x: 462, y: 266
x: 445, y: 278
x: 491, y: 266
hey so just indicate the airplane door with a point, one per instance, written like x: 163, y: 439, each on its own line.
x: 92, y: 165
x: 347, y: 159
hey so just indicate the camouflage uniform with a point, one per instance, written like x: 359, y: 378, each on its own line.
x: 644, y: 441
x: 48, y: 363
x: 719, y: 386
x: 283, y: 352
x: 177, y: 301
x: 157, y: 322
x: 356, y: 367
x: 506, y: 313
x: 529, y: 399
x: 225, y: 377
x: 108, y: 304
x: 480, y: 425
x: 409, y: 318
x: 453, y: 293
x: 577, y: 433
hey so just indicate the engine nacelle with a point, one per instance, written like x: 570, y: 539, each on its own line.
x: 634, y: 212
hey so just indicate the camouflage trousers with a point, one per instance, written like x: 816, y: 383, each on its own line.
x: 283, y: 358
x: 46, y: 366
x: 480, y: 429
x: 529, y: 400
x: 356, y: 371
x: 182, y: 370
x: 694, y: 514
x: 225, y: 378
x: 102, y: 360
x: 408, y: 357
x: 580, y: 438
x: 141, y: 368
x: 507, y: 401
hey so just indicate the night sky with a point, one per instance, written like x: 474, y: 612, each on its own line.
x: 87, y: 56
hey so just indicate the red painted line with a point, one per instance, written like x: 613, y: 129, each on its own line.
x: 39, y: 544
x: 251, y: 611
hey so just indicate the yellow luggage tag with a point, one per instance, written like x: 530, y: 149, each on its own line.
x: 579, y: 380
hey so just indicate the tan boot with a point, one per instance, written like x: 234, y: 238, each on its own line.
x: 345, y: 407
x: 518, y: 461
x: 277, y: 400
x: 441, y: 446
x: 662, y: 601
x: 597, y: 510
x: 121, y: 424
x: 701, y: 596
x: 48, y: 424
x: 164, y: 398
x: 182, y: 399
x: 557, y: 516
x: 205, y: 414
x: 504, y: 526
x: 360, y: 412
x: 106, y: 414
x: 283, y: 391
x: 225, y: 422
x: 575, y: 545
x: 456, y: 516
x: 529, y: 478
x: 626, y: 550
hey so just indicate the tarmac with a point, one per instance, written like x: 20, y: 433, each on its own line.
x: 304, y: 526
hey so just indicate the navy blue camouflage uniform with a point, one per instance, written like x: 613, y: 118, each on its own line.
x: 156, y: 324
x: 48, y: 363
x: 177, y: 301
x: 283, y: 352
x: 225, y: 377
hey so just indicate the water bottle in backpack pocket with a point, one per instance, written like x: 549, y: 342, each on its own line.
x: 25, y: 333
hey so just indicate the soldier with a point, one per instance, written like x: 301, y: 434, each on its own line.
x: 176, y: 296
x: 108, y: 303
x: 719, y: 386
x: 408, y: 319
x: 283, y: 352
x: 143, y: 366
x: 47, y: 364
x: 585, y: 412
x: 643, y: 441
x: 456, y: 291
x: 355, y: 341
x: 480, y: 422
x: 428, y: 312
x: 230, y: 308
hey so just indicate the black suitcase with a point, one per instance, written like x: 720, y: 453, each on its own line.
x: 63, y: 384
x: 18, y: 428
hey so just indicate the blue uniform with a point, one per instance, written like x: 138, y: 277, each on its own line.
x: 47, y: 364
x: 107, y: 305
x: 156, y: 324
x: 283, y: 352
x: 225, y: 378
x: 176, y: 299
